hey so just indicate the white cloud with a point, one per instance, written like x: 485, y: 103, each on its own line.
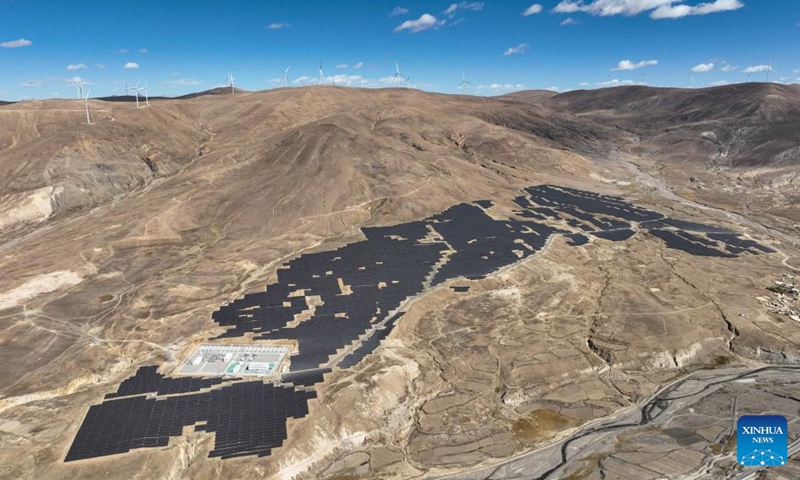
x: 131, y: 66
x: 727, y: 67
x: 358, y: 65
x: 303, y: 80
x: 628, y: 65
x: 570, y: 21
x: 454, y: 7
x: 278, y: 26
x: 38, y: 82
x: 703, y: 67
x: 99, y: 66
x: 519, y: 49
x: 77, y: 66
x: 756, y: 69
x: 425, y: 22
x: 569, y: 7
x: 143, y: 50
x: 532, y: 10
x: 659, y: 9
x: 552, y: 89
x: 183, y: 82
x: 614, y: 83
x: 121, y: 50
x: 501, y: 87
x: 341, y: 65
x: 16, y: 43
x: 719, y: 83
x: 398, y: 11
x: 679, y: 11
x: 344, y: 79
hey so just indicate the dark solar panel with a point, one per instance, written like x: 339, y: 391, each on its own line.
x: 148, y: 380
x: 247, y: 418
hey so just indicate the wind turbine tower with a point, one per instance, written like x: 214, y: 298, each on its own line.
x: 230, y: 82
x: 321, y: 78
x: 285, y: 80
x: 464, y: 80
x: 146, y: 99
x: 136, y: 91
x: 397, y: 75
x: 85, y: 101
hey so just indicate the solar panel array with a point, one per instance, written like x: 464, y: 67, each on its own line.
x: 369, y: 345
x: 362, y: 287
x: 397, y: 262
x: 248, y: 418
x: 612, y: 218
x: 307, y: 378
x: 148, y: 380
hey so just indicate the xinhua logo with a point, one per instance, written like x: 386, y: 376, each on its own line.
x: 761, y: 440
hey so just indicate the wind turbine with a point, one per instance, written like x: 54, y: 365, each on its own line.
x: 408, y: 79
x: 692, y: 81
x: 397, y: 75
x: 285, y: 80
x: 136, y: 92
x: 138, y: 89
x: 85, y: 101
x: 230, y: 82
x: 769, y: 68
x: 464, y: 80
x: 146, y: 99
x: 321, y: 78
x: 79, y: 83
x: 644, y: 79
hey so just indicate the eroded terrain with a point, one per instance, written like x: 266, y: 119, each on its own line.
x: 509, y: 349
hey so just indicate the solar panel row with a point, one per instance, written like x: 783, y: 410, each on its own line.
x: 148, y: 380
x: 306, y: 378
x: 248, y: 418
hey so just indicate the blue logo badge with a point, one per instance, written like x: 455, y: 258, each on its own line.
x: 761, y: 440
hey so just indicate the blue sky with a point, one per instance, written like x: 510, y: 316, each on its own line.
x: 181, y: 46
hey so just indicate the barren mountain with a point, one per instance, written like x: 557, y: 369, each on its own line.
x: 120, y: 240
